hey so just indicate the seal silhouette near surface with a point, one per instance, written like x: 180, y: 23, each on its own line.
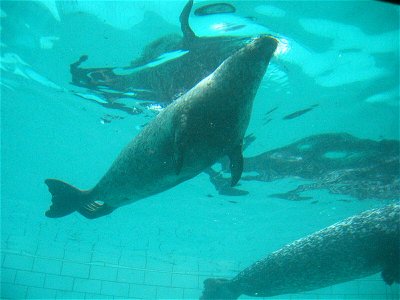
x: 205, y: 124
x: 160, y: 82
x: 356, y: 247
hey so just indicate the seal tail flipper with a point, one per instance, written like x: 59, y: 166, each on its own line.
x: 67, y: 199
x: 188, y: 33
x: 219, y: 289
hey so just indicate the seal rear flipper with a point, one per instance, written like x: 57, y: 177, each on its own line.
x: 67, y: 199
x: 219, y: 289
x: 188, y: 34
x: 236, y: 164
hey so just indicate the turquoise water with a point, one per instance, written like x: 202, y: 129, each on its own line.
x: 336, y: 75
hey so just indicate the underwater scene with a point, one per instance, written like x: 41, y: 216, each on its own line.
x: 261, y: 138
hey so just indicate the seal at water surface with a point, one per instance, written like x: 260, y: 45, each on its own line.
x: 206, y: 123
x: 146, y: 78
x: 356, y: 247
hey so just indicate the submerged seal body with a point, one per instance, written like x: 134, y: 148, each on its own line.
x: 359, y: 246
x: 206, y: 123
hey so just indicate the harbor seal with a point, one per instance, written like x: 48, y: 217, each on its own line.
x: 340, y: 163
x: 161, y: 82
x: 356, y: 247
x: 205, y: 124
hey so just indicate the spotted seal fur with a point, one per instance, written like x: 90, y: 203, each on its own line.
x: 356, y: 247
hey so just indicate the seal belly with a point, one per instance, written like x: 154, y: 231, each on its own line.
x: 148, y: 165
x: 206, y: 123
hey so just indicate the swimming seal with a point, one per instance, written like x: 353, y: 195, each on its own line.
x: 161, y: 83
x: 205, y: 124
x: 356, y: 247
x: 337, y: 162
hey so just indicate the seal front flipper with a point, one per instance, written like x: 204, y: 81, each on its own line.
x: 178, y: 154
x: 236, y: 164
x: 180, y: 140
x: 67, y: 199
x: 391, y: 272
x: 219, y: 289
